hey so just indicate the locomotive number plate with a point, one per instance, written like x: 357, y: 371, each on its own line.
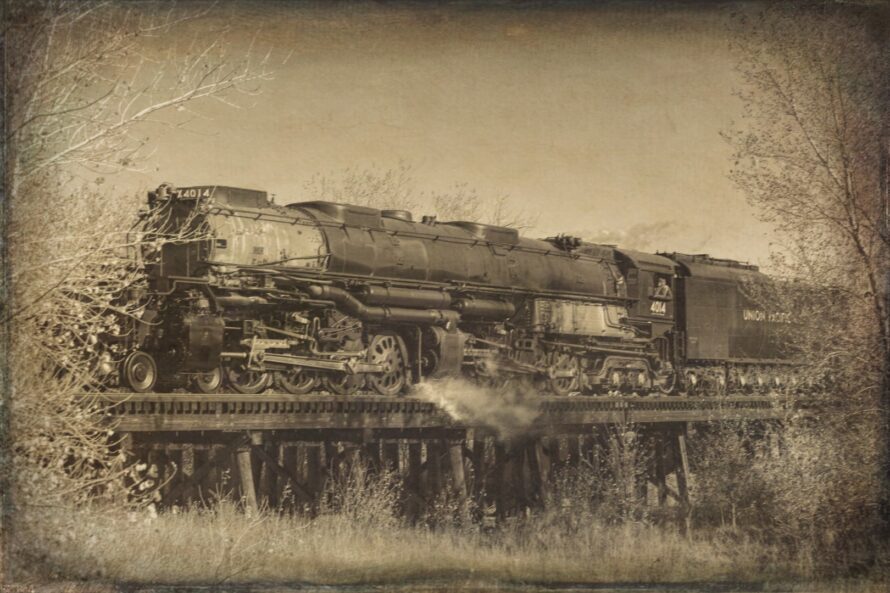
x: 194, y: 192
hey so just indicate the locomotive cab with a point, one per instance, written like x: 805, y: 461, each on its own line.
x: 650, y: 287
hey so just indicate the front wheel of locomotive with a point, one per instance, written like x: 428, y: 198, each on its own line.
x: 246, y: 381
x: 139, y: 372
x: 296, y: 380
x: 207, y: 382
x: 387, y: 350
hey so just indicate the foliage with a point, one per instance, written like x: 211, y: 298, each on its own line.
x: 809, y: 488
x: 726, y: 491
x: 363, y: 497
x: 82, y: 80
x: 606, y: 488
x: 811, y: 154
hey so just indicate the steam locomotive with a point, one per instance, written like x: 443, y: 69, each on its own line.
x: 244, y: 294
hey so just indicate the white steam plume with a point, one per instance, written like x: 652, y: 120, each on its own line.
x: 509, y: 409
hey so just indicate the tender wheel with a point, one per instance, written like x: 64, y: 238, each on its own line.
x: 561, y: 362
x: 720, y: 384
x: 741, y: 382
x: 139, y: 372
x: 343, y: 384
x: 296, y: 380
x: 692, y: 383
x: 206, y: 382
x: 666, y: 379
x: 386, y: 350
x: 246, y: 381
x: 541, y: 381
x: 763, y: 384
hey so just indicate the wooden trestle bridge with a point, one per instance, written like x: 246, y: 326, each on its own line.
x: 273, y: 446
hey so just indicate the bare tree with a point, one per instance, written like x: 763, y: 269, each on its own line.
x: 397, y: 188
x: 83, y: 74
x: 83, y: 81
x: 808, y: 154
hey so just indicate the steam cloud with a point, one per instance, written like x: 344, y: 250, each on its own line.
x: 667, y: 235
x: 509, y: 409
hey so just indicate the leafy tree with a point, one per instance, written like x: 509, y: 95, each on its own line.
x: 811, y: 155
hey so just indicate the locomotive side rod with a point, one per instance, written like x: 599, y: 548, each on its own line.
x: 351, y: 368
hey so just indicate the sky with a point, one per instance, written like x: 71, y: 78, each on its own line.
x: 603, y: 122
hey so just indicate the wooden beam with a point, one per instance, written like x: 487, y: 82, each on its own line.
x: 682, y: 483
x: 245, y: 470
x: 537, y: 472
x: 434, y: 456
x: 268, y: 477
x: 573, y: 445
x: 668, y: 491
x: 391, y: 456
x: 315, y: 472
x: 293, y: 457
x: 480, y: 471
x: 456, y: 459
x: 280, y: 470
x: 660, y: 478
x: 502, y: 475
x: 414, y: 499
x: 213, y: 459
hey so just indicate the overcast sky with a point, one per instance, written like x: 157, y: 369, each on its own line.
x: 604, y: 122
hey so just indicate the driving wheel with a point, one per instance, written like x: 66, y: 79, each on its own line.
x: 296, y: 380
x: 207, y: 382
x: 562, y: 362
x: 386, y: 350
x: 244, y: 380
x: 343, y: 383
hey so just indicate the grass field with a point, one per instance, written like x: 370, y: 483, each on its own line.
x: 226, y: 546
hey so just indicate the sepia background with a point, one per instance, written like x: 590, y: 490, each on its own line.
x: 750, y: 130
x: 602, y: 121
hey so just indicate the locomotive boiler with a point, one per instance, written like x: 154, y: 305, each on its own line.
x: 246, y: 294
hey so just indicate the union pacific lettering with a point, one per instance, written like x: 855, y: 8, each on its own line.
x: 760, y: 315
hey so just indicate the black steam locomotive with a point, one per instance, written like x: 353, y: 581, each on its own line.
x: 327, y: 296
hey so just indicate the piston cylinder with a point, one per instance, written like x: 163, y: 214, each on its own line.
x: 484, y: 309
x: 404, y: 297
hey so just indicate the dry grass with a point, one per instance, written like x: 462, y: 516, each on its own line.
x: 225, y: 546
x: 359, y: 538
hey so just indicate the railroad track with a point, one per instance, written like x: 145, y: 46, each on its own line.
x: 134, y: 412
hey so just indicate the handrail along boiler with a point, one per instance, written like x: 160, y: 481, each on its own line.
x: 328, y: 296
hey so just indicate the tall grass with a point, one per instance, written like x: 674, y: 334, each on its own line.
x: 593, y: 526
x: 357, y: 536
x: 223, y: 545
